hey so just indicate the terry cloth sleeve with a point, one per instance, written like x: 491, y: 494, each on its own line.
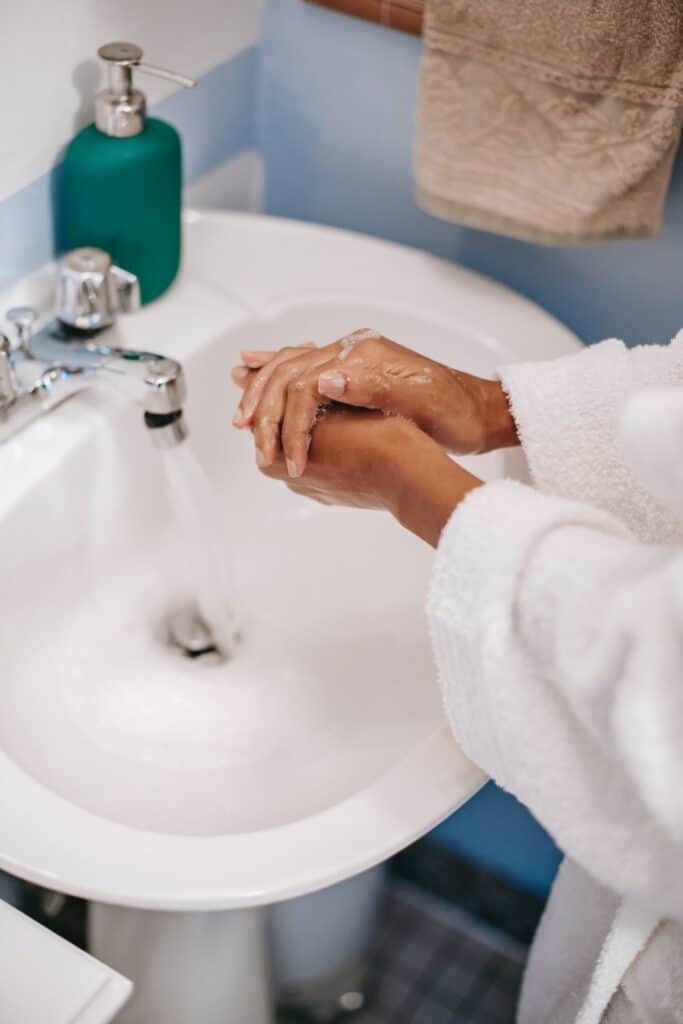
x: 568, y: 413
x: 559, y: 644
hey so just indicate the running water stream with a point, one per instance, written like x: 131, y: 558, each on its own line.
x: 202, y: 566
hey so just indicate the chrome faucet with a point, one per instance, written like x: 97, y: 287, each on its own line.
x: 39, y: 370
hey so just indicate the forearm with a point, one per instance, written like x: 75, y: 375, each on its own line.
x: 429, y: 487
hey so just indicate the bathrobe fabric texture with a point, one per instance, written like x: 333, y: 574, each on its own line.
x: 556, y: 614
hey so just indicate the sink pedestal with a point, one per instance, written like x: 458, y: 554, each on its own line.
x: 208, y: 966
x: 320, y: 945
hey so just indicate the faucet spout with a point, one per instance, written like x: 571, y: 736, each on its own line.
x: 154, y: 380
x: 53, y: 365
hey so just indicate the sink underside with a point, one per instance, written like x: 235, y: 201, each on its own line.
x: 130, y: 773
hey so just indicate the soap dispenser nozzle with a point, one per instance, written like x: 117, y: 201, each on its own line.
x: 120, y: 110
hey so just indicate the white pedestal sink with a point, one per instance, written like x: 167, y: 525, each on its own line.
x: 133, y: 777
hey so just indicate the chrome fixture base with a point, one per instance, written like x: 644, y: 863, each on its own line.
x: 41, y: 370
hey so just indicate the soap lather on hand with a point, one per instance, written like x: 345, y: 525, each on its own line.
x: 283, y: 392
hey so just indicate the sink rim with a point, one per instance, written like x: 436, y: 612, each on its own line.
x: 150, y: 870
x: 231, y: 871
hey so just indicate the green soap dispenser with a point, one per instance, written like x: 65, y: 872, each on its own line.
x: 122, y: 178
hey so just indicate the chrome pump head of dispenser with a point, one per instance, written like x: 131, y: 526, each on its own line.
x: 120, y: 110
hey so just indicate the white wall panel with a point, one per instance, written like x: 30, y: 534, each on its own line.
x: 50, y: 70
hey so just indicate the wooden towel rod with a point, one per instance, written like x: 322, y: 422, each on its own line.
x: 405, y: 15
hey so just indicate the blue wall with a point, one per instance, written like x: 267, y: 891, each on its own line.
x: 495, y: 830
x: 337, y: 123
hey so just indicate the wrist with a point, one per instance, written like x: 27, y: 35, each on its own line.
x: 473, y: 415
x: 499, y: 427
x: 426, y: 487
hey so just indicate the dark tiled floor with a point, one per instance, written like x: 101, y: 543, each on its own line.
x: 431, y: 963
x: 434, y: 964
x: 486, y: 895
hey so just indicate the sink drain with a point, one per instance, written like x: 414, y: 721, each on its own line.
x: 188, y: 632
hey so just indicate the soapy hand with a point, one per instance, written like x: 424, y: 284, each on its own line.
x: 352, y: 460
x: 283, y: 392
x: 363, y: 459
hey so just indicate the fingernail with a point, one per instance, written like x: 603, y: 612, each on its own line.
x: 238, y: 419
x: 293, y: 469
x: 260, y: 458
x: 239, y: 374
x: 332, y: 384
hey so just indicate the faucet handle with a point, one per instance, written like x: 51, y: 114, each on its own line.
x: 127, y: 289
x: 92, y: 291
x: 22, y: 319
x: 8, y: 386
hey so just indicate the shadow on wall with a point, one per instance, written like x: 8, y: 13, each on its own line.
x: 337, y: 112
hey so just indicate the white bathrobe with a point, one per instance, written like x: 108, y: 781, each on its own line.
x: 557, y: 620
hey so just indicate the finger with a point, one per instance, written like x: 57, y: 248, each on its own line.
x: 276, y: 471
x: 368, y: 387
x: 301, y: 412
x: 269, y: 412
x: 240, y: 375
x: 272, y: 401
x: 256, y: 384
x: 287, y: 383
x: 256, y: 358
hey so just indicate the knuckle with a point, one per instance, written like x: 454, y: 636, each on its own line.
x: 367, y: 336
x: 310, y: 378
x: 294, y: 435
x: 295, y: 386
x: 285, y: 372
x: 376, y: 385
x: 375, y: 346
x: 265, y: 424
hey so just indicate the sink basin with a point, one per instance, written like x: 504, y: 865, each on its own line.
x: 132, y: 775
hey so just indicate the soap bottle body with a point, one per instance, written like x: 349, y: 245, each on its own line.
x: 123, y: 195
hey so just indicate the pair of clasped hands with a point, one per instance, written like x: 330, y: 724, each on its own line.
x: 367, y: 423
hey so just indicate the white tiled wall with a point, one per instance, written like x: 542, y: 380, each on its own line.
x: 50, y: 70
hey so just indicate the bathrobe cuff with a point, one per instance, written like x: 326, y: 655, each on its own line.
x: 483, y: 551
x: 568, y: 413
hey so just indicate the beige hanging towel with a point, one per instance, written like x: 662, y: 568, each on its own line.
x: 549, y: 120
